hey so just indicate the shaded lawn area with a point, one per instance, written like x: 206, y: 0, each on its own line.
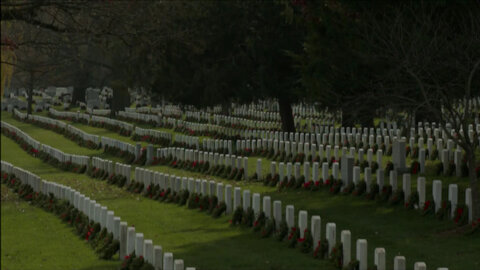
x: 35, y: 239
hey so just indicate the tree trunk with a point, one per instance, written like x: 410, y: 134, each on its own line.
x: 226, y: 108
x: 365, y: 116
x: 288, y: 125
x: 30, y: 94
x: 348, y: 118
x: 82, y: 81
x: 474, y: 185
x: 78, y: 94
x: 121, y: 98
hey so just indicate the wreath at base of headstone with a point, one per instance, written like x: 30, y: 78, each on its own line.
x: 396, y: 197
x: 305, y: 244
x: 219, y: 210
x: 237, y: 216
x: 374, y: 189
x: 360, y: 188
x: 385, y: 193
x: 461, y: 215
x: 444, y: 210
x: 293, y: 237
x: 428, y: 208
x: 336, y: 256
x: 259, y: 223
x: 269, y: 228
x: 321, y: 251
x: 412, y: 201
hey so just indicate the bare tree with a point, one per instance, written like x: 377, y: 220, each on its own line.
x: 432, y: 52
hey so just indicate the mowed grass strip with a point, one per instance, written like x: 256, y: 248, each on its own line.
x: 197, y: 238
x: 35, y: 239
x: 398, y: 230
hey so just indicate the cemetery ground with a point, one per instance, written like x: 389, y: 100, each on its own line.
x: 35, y: 239
x: 212, y: 243
x: 191, y: 235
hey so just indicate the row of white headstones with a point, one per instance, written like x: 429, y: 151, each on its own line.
x: 351, y: 174
x: 297, y: 144
x: 242, y: 162
x: 245, y: 199
x: 77, y: 160
x: 130, y: 241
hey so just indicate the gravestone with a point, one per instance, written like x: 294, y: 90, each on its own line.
x: 148, y: 250
x: 356, y: 175
x: 346, y: 238
x: 420, y: 266
x: 237, y: 197
x: 347, y: 169
x: 220, y: 192
x: 362, y: 254
x: 421, y: 191
x: 380, y: 179
x: 302, y: 222
x: 399, y: 263
x: 399, y: 157
x: 149, y: 154
x: 325, y: 171
x: 368, y: 178
x: 168, y: 261
x: 290, y: 216
x: 178, y: 265
x: 335, y: 169
x: 259, y: 169
x: 393, y: 180
x: 228, y: 199
x: 157, y: 257
x: 331, y: 236
x: 256, y: 204
x: 421, y: 159
x: 379, y: 259
x: 453, y: 198
x: 246, y: 199
x: 267, y: 207
x: 306, y: 171
x: 139, y: 244
x: 123, y: 240
x: 277, y: 212
x: 116, y: 228
x: 316, y: 228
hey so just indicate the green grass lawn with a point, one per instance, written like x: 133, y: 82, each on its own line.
x: 399, y: 231
x: 199, y: 239
x: 35, y: 239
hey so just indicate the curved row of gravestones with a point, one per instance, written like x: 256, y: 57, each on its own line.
x: 76, y: 160
x: 347, y: 134
x: 130, y: 241
x: 349, y: 172
x: 306, y: 144
x: 266, y: 144
x: 190, y: 141
x: 245, y: 200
